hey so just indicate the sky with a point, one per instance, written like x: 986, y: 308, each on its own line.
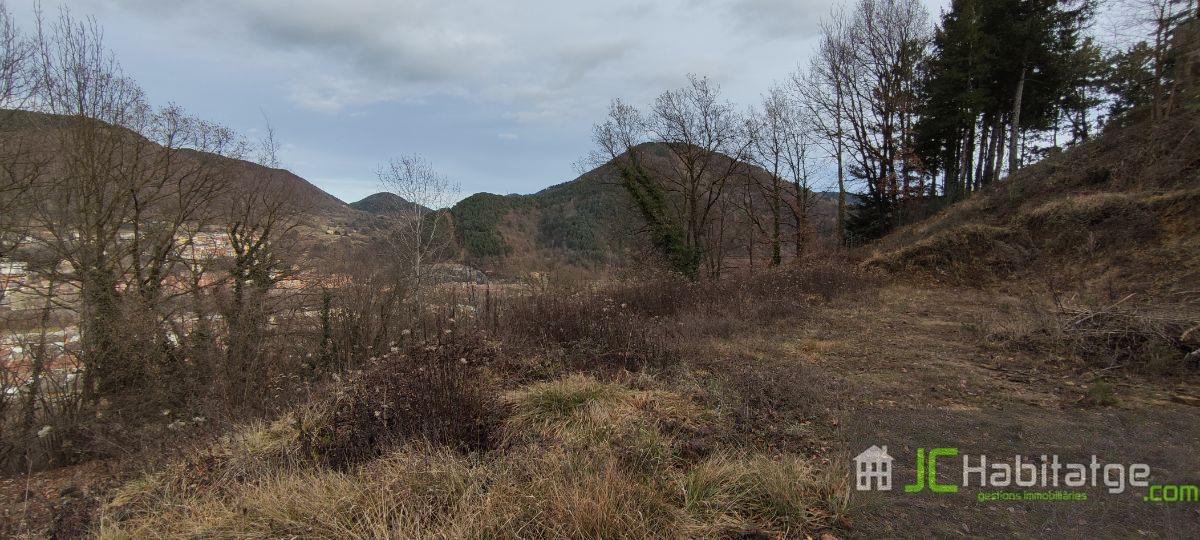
x: 500, y: 96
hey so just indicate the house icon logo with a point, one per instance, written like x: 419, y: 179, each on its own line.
x: 874, y: 464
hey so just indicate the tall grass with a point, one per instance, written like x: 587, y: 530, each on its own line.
x: 566, y: 472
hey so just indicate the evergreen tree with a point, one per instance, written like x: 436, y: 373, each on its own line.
x: 1000, y: 68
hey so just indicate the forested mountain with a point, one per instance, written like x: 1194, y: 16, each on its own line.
x: 591, y: 221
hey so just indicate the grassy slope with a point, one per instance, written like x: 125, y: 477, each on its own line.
x: 583, y: 459
x: 1118, y: 212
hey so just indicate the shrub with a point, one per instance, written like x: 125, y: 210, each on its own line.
x: 592, y: 329
x: 437, y: 392
x: 1101, y: 394
x: 1123, y: 337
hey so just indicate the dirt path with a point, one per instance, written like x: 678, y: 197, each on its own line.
x: 921, y: 376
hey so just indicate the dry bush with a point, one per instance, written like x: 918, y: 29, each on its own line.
x: 437, y: 392
x: 653, y: 321
x: 365, y: 316
x: 804, y: 284
x: 658, y: 295
x: 590, y: 328
x: 1143, y: 339
x: 1130, y: 339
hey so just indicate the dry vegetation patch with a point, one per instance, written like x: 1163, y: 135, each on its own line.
x: 583, y: 458
x: 973, y: 252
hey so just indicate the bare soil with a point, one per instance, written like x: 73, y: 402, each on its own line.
x: 910, y: 369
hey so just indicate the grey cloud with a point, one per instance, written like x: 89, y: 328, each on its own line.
x: 778, y: 18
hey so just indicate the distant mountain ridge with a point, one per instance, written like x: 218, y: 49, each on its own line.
x: 311, y: 198
x: 587, y: 221
x: 385, y: 203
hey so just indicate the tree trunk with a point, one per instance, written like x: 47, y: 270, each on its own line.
x: 998, y: 136
x: 801, y: 216
x: 995, y: 151
x: 776, y: 248
x: 37, y: 369
x: 841, y: 174
x: 968, y: 154
x: 1015, y: 128
x: 750, y: 230
x: 984, y: 167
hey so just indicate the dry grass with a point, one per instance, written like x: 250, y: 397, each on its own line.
x: 972, y: 252
x: 1117, y: 211
x: 789, y: 494
x: 584, y: 459
x: 581, y: 406
x: 1131, y: 335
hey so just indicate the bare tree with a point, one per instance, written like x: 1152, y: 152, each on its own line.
x: 260, y: 226
x: 680, y: 193
x: 18, y: 169
x: 822, y: 90
x: 421, y: 228
x: 769, y: 132
x: 798, y: 140
x: 861, y: 89
x: 123, y: 185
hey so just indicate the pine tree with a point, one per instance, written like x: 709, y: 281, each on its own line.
x: 1000, y: 68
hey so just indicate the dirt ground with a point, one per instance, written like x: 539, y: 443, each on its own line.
x: 898, y: 366
x: 58, y: 503
x: 913, y: 371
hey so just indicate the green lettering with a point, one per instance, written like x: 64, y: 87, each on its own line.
x: 934, y: 485
x: 919, y: 485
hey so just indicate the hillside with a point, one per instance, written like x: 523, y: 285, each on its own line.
x: 29, y: 125
x: 1118, y: 213
x: 582, y: 222
x: 587, y: 221
x: 326, y: 221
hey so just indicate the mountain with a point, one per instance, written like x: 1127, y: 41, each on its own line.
x: 384, y: 203
x: 588, y: 221
x: 585, y: 222
x: 25, y: 127
x: 326, y: 219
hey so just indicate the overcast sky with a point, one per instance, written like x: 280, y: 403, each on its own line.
x: 499, y: 95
